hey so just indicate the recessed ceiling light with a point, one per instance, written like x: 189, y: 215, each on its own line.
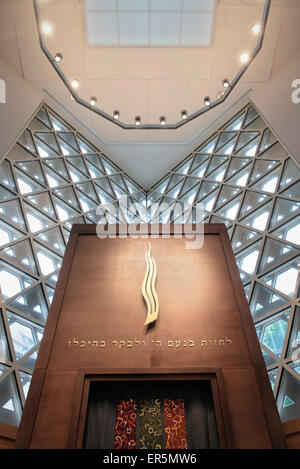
x: 226, y: 83
x: 75, y: 84
x: 184, y: 114
x: 162, y: 120
x: 137, y: 120
x: 207, y: 100
x: 256, y: 29
x: 244, y: 58
x: 93, y: 100
x: 116, y: 114
x: 58, y: 57
x: 46, y: 28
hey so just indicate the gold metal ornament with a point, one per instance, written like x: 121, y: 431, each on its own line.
x: 148, y: 288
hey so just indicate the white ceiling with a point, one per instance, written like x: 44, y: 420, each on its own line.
x: 147, y: 81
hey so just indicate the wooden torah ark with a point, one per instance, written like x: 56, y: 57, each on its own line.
x: 96, y: 331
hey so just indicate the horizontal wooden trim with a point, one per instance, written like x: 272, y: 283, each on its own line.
x: 160, y: 229
x: 8, y: 431
x: 292, y: 426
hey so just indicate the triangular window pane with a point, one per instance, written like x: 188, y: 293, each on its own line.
x: 284, y: 278
x: 199, y: 159
x: 251, y: 114
x: 244, y: 138
x: 57, y: 165
x: 70, y: 139
x: 252, y: 201
x: 289, y: 231
x: 231, y: 209
x: 264, y: 301
x: 273, y: 252
x: 49, y: 139
x: 200, y: 170
x: 64, y: 211
x: 42, y: 114
x: 218, y: 174
x: 6, y: 175
x: 33, y: 169
x: 258, y: 219
x: 44, y: 150
x: 21, y: 254
x: 250, y: 149
x: 269, y: 182
x: 290, y: 174
x: 53, y: 238
x: 224, y: 137
x: 274, y: 152
x: 93, y: 171
x: 283, y: 209
x: 242, y: 236
x: 10, y: 405
x: 226, y: 193
x: 48, y: 261
x: 32, y: 303
x: 292, y: 191
x: 58, y: 124
x: 260, y: 168
x: 84, y: 147
x: 66, y: 149
x: 43, y: 202
x: 256, y: 124
x: 27, y: 141
x: 37, y: 125
x: 13, y: 280
x: 86, y: 203
x: 241, y: 178
x: 8, y: 233
x: 78, y: 162
x: 118, y: 179
x: 267, y: 140
x: 104, y: 185
x: 205, y: 188
x: 68, y: 196
x: 11, y: 210
x: 36, y: 220
x: 27, y: 184
x: 96, y: 161
x: 88, y: 189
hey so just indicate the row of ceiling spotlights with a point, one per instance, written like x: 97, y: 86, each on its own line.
x: 244, y: 58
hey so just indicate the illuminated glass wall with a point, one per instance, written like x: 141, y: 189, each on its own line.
x: 53, y: 177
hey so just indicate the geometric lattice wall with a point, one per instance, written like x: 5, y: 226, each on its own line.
x: 53, y: 177
x: 245, y: 179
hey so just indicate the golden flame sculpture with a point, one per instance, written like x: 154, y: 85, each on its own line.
x: 148, y: 288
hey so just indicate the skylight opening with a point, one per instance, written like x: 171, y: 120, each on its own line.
x: 151, y: 23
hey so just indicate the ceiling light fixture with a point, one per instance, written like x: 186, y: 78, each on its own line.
x: 246, y: 59
x: 207, y: 101
x: 75, y: 84
x: 46, y: 28
x: 162, y: 120
x: 93, y: 101
x: 137, y: 120
x: 184, y: 114
x: 58, y: 57
x: 256, y: 29
x: 226, y: 83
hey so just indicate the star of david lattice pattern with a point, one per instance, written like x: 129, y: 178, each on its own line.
x: 53, y: 177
